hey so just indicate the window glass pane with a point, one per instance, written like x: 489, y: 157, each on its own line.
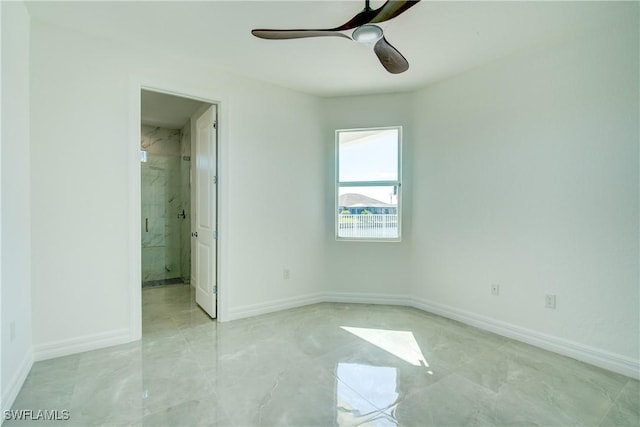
x: 368, y: 212
x: 368, y: 155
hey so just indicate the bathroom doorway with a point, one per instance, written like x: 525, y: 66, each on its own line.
x: 171, y: 208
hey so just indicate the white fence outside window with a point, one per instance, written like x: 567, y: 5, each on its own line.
x: 368, y: 225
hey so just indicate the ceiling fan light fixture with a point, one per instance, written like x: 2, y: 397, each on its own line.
x: 367, y: 34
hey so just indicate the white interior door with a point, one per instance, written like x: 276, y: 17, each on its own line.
x: 204, y: 259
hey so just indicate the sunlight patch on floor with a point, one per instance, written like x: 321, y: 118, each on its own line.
x: 401, y: 344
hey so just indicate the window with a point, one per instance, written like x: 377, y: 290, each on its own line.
x: 368, y: 184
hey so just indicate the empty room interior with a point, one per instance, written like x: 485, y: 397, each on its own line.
x: 298, y: 213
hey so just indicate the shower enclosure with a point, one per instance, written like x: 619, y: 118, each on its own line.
x: 165, y: 170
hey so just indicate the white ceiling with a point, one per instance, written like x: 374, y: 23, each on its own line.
x: 167, y: 111
x: 440, y: 39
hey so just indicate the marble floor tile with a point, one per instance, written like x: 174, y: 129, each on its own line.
x: 107, y: 401
x: 49, y: 385
x: 46, y: 396
x: 553, y: 385
x: 625, y: 411
x: 203, y: 411
x: 379, y: 375
x: 322, y: 365
x: 453, y: 401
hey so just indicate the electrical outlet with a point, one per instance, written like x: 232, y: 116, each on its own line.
x: 495, y: 289
x: 12, y: 330
x: 550, y: 301
x: 286, y: 274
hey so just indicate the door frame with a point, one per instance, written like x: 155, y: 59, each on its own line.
x: 136, y: 85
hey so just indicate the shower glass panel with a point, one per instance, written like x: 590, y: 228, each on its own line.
x: 162, y: 219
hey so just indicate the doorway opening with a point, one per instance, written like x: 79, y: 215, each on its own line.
x: 178, y: 202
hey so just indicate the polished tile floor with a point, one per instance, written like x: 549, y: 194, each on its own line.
x: 322, y: 365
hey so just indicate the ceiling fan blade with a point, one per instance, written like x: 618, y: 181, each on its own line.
x: 387, y: 11
x: 295, y: 34
x: 390, y: 58
x: 391, y: 9
x: 359, y: 19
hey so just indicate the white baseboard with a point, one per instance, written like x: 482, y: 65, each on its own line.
x: 272, y: 306
x: 604, y: 359
x: 81, y: 344
x: 15, y: 383
x: 367, y: 298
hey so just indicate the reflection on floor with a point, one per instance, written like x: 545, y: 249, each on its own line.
x: 325, y: 364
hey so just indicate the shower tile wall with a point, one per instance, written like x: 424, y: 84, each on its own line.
x: 162, y: 204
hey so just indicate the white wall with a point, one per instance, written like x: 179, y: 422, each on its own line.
x: 526, y: 175
x: 380, y: 271
x: 81, y: 90
x: 523, y: 172
x: 17, y: 355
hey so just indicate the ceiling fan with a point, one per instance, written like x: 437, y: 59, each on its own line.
x: 365, y: 32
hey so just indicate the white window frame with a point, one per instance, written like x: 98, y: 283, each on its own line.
x: 342, y: 184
